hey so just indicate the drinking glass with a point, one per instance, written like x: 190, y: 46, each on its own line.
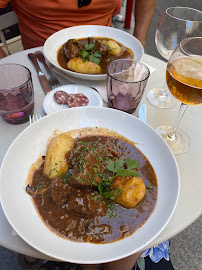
x: 16, y: 93
x: 126, y: 82
x: 184, y: 80
x: 176, y: 24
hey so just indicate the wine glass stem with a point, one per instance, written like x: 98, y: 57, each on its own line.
x: 172, y: 134
x: 163, y: 92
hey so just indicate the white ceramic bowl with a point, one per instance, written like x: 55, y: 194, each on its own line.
x: 31, y: 143
x: 54, y: 42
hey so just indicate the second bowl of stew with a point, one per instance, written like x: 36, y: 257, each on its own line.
x: 85, y: 51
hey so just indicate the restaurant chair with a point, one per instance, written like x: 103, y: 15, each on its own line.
x: 7, y: 20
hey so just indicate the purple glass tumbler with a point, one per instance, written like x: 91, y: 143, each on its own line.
x: 126, y: 81
x: 16, y: 93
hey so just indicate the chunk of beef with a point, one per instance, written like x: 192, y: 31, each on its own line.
x: 71, y: 48
x: 99, y: 46
x: 85, y: 203
x: 59, y: 191
x: 88, y: 163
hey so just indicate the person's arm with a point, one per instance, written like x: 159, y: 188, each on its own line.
x: 2, y: 54
x: 144, y: 10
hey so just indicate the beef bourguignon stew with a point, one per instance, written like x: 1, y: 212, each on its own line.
x: 95, y: 188
x: 91, y: 55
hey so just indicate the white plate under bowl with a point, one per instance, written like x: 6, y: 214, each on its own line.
x: 51, y: 106
x: 55, y: 41
x: 31, y: 143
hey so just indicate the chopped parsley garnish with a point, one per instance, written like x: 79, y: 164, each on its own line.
x: 110, y: 211
x: 90, y: 54
x: 132, y: 164
x: 100, y: 158
x: 119, y: 191
x: 71, y: 40
x: 94, y: 59
x: 97, y: 54
x: 150, y: 186
x: 114, y: 166
x: 79, y: 179
x: 66, y: 177
x: 95, y: 170
x: 96, y: 165
x: 118, y: 169
x: 89, y: 46
x: 83, y: 53
x: 42, y: 185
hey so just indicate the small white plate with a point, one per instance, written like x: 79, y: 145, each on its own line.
x: 51, y: 106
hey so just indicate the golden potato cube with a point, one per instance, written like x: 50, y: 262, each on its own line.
x: 133, y: 191
x: 83, y: 66
x: 113, y: 46
x: 55, y: 161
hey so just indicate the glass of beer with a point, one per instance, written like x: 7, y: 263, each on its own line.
x: 16, y: 93
x: 184, y: 80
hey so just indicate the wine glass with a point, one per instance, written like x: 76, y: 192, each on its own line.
x: 184, y: 80
x: 175, y: 24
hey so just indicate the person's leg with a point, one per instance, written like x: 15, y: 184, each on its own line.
x: 27, y: 262
x: 91, y: 266
x: 123, y: 264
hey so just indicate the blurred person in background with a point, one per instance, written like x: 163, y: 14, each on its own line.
x: 40, y: 19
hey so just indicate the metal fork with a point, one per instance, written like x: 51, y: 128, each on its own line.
x: 34, y: 118
x: 52, y: 79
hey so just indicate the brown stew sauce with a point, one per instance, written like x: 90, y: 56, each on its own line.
x: 100, y: 229
x: 126, y: 53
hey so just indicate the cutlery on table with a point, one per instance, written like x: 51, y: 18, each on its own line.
x: 52, y: 80
x: 142, y: 113
x: 42, y: 78
x: 34, y: 118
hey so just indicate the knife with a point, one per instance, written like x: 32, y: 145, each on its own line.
x: 142, y: 113
x: 42, y: 78
x: 42, y: 59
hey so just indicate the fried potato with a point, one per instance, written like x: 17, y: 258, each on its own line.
x: 114, y: 48
x: 55, y: 162
x: 78, y: 65
x: 133, y: 191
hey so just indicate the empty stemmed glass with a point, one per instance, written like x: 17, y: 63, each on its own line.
x: 184, y: 80
x: 176, y: 24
